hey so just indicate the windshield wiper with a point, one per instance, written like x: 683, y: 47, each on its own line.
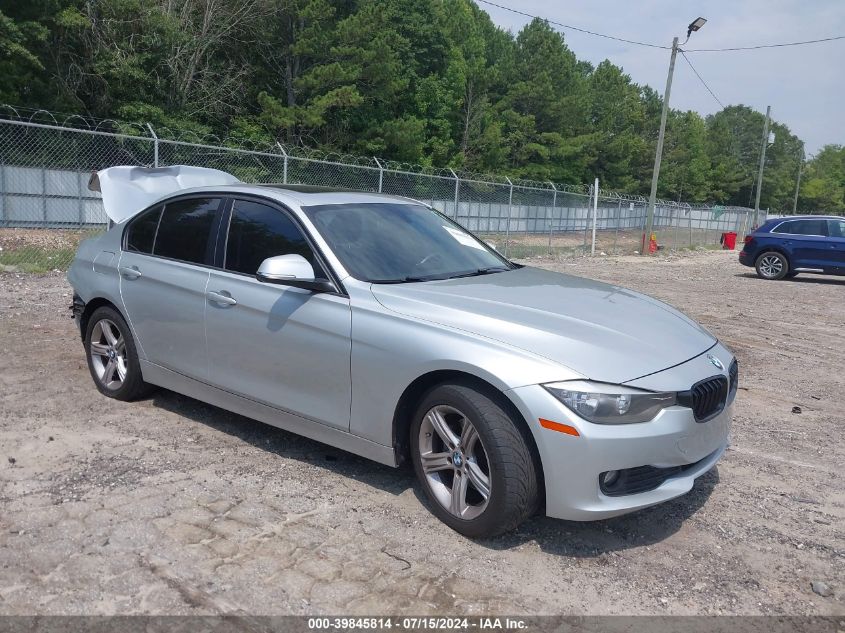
x: 480, y: 271
x: 469, y: 273
x: 402, y: 280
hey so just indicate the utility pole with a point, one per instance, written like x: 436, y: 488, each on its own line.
x: 763, y: 145
x: 798, y: 183
x: 658, y: 156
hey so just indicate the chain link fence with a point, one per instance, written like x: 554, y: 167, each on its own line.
x: 46, y: 208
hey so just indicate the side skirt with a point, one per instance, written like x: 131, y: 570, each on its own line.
x: 343, y: 440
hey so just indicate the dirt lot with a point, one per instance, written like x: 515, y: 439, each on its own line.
x: 171, y: 506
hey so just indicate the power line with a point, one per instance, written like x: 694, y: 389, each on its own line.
x: 650, y: 45
x: 752, y: 48
x: 701, y: 79
x: 573, y: 28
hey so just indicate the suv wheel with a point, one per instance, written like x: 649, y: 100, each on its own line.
x: 472, y: 460
x: 772, y: 265
x: 112, y: 356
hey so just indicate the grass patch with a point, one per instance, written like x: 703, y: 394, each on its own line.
x: 33, y: 259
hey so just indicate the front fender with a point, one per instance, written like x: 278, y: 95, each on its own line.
x: 390, y: 351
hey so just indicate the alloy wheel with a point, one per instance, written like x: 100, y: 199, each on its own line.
x: 454, y: 462
x: 771, y: 266
x: 108, y: 354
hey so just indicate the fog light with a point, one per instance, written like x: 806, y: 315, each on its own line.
x: 609, y: 478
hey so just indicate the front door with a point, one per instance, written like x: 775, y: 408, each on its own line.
x: 282, y: 346
x: 163, y: 276
x: 807, y: 242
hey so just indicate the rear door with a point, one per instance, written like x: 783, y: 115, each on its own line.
x: 836, y: 244
x: 286, y: 347
x: 806, y: 241
x: 164, y: 269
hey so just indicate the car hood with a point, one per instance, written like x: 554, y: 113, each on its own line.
x: 603, y: 332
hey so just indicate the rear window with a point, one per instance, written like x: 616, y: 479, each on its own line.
x: 141, y: 232
x: 184, y: 229
x: 802, y: 227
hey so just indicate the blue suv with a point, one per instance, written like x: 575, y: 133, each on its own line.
x: 786, y: 246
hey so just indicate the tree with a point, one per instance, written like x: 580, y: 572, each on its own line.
x: 433, y: 82
x: 823, y: 182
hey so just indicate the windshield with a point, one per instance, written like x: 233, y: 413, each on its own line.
x: 401, y: 242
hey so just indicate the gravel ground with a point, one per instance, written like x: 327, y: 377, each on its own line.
x: 170, y: 506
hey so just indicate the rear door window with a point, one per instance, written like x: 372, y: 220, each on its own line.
x: 803, y: 227
x: 184, y: 230
x: 258, y: 231
x: 141, y: 232
x: 836, y: 228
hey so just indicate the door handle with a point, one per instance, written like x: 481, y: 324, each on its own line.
x: 219, y: 297
x: 129, y: 272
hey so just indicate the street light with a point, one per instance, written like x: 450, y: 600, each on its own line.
x: 695, y: 25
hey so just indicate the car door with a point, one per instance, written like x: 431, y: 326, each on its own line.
x: 164, y: 268
x: 279, y: 345
x: 836, y: 244
x: 806, y: 241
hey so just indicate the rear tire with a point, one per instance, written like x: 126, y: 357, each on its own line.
x: 473, y: 462
x: 113, y: 357
x: 772, y: 265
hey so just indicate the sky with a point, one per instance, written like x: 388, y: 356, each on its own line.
x: 805, y: 85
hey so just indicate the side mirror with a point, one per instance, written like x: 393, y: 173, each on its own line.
x: 292, y: 270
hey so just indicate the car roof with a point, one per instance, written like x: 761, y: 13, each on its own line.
x: 784, y: 218
x: 302, y: 195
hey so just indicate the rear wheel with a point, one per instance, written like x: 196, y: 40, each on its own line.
x: 772, y: 265
x: 113, y: 357
x: 473, y: 462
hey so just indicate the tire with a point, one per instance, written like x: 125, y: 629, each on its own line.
x: 490, y: 451
x: 112, y: 356
x: 772, y: 265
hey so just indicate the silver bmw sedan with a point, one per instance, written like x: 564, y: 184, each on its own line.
x: 376, y: 324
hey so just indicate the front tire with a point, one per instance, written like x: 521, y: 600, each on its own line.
x: 473, y: 462
x: 772, y: 265
x: 113, y: 357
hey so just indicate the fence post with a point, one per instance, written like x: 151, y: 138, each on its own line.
x: 155, y: 145
x: 284, y: 164
x: 508, y: 225
x: 44, y: 193
x: 554, y: 204
x: 79, y: 199
x: 381, y: 173
x: 618, y: 222
x: 595, y: 216
x: 457, y: 189
x: 4, y: 214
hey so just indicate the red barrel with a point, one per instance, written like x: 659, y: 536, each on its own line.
x: 729, y: 240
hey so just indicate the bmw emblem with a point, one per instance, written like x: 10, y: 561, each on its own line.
x: 715, y: 362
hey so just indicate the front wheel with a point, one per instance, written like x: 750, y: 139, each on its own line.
x: 772, y: 265
x: 474, y: 464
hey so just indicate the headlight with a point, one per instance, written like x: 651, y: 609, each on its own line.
x: 610, y: 404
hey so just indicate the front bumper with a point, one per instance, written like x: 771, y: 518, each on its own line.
x: 572, y: 464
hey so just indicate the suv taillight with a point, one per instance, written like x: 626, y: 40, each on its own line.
x: 748, y: 238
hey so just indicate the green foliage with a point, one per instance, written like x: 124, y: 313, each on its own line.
x: 823, y: 183
x: 433, y: 82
